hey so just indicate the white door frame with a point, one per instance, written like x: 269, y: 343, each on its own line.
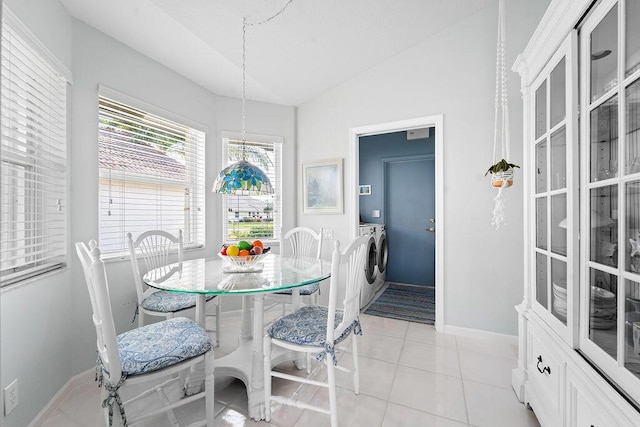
x: 353, y: 198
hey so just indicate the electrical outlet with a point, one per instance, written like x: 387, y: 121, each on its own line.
x: 327, y: 234
x: 11, y: 397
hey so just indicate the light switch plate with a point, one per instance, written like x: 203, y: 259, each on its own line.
x: 327, y: 234
x: 375, y: 213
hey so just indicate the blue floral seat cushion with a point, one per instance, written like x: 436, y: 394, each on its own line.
x: 308, y: 326
x: 156, y: 346
x: 304, y: 290
x: 168, y: 302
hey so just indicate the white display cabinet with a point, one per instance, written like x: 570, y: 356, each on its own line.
x: 579, y: 321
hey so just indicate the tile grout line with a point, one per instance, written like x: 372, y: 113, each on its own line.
x: 395, y: 373
x: 468, y: 423
x: 464, y: 394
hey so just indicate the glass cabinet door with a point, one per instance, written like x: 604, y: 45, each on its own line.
x: 610, y: 138
x: 554, y: 155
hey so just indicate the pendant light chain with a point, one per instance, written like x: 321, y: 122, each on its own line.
x: 244, y: 86
x: 274, y: 16
x: 244, y: 71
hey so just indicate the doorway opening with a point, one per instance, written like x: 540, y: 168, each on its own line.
x: 357, y: 189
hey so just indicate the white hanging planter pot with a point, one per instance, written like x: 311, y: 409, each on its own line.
x: 502, y: 179
x: 501, y: 174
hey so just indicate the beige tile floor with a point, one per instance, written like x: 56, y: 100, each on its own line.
x: 411, y: 375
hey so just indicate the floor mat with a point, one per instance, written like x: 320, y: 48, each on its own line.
x: 406, y: 302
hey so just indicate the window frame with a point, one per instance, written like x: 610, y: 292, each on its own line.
x: 52, y: 132
x: 199, y: 181
x: 278, y: 142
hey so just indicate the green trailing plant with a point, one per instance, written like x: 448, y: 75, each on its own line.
x: 501, y: 166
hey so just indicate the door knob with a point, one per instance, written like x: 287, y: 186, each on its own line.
x: 431, y: 229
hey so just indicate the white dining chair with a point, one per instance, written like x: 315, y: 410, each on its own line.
x: 317, y: 330
x: 155, y: 247
x: 158, y: 355
x: 301, y: 242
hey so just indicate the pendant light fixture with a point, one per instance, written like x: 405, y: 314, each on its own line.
x: 243, y: 177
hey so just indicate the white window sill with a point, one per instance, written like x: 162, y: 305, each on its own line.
x: 30, y: 280
x: 124, y: 256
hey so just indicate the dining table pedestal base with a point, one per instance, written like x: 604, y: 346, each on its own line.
x: 246, y: 362
x: 207, y: 276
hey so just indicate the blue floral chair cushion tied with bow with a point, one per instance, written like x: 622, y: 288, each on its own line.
x: 308, y: 326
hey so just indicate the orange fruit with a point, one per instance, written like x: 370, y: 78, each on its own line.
x: 258, y: 243
x: 242, y: 253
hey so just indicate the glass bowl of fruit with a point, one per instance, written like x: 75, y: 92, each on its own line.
x: 244, y: 255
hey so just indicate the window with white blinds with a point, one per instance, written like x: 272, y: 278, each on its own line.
x: 254, y: 217
x: 151, y: 176
x: 33, y: 159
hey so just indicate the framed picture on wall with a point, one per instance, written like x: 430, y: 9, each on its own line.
x: 322, y: 187
x: 364, y: 190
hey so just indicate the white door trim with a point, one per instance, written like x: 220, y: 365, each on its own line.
x: 353, y: 199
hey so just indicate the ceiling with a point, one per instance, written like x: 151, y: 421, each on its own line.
x: 311, y: 47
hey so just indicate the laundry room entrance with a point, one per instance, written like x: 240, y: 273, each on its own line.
x: 398, y: 197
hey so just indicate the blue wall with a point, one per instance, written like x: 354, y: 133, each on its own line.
x: 375, y: 148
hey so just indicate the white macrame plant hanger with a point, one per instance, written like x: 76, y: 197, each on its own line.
x: 501, y: 103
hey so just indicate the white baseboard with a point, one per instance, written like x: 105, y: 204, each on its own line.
x: 478, y: 333
x: 61, y: 395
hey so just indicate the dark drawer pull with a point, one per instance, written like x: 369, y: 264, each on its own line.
x: 545, y: 369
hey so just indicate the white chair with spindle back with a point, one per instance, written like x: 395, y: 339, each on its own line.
x: 302, y: 242
x: 317, y: 330
x: 155, y: 247
x: 157, y: 354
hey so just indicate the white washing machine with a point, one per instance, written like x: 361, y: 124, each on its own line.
x: 381, y: 259
x: 370, y: 268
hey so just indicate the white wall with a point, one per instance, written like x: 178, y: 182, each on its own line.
x: 35, y: 316
x: 47, y: 333
x: 451, y: 73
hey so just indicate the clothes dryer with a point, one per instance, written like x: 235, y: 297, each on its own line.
x: 381, y: 257
x: 370, y: 269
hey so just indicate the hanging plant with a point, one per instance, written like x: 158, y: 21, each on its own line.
x: 501, y: 173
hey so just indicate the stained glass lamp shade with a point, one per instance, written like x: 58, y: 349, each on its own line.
x: 242, y: 178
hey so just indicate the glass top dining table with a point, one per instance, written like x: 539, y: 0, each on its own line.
x: 216, y: 276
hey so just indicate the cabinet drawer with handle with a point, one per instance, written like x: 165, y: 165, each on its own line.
x: 546, y: 371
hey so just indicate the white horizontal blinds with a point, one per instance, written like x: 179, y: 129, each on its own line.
x: 151, y: 176
x: 33, y: 162
x: 254, y: 217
